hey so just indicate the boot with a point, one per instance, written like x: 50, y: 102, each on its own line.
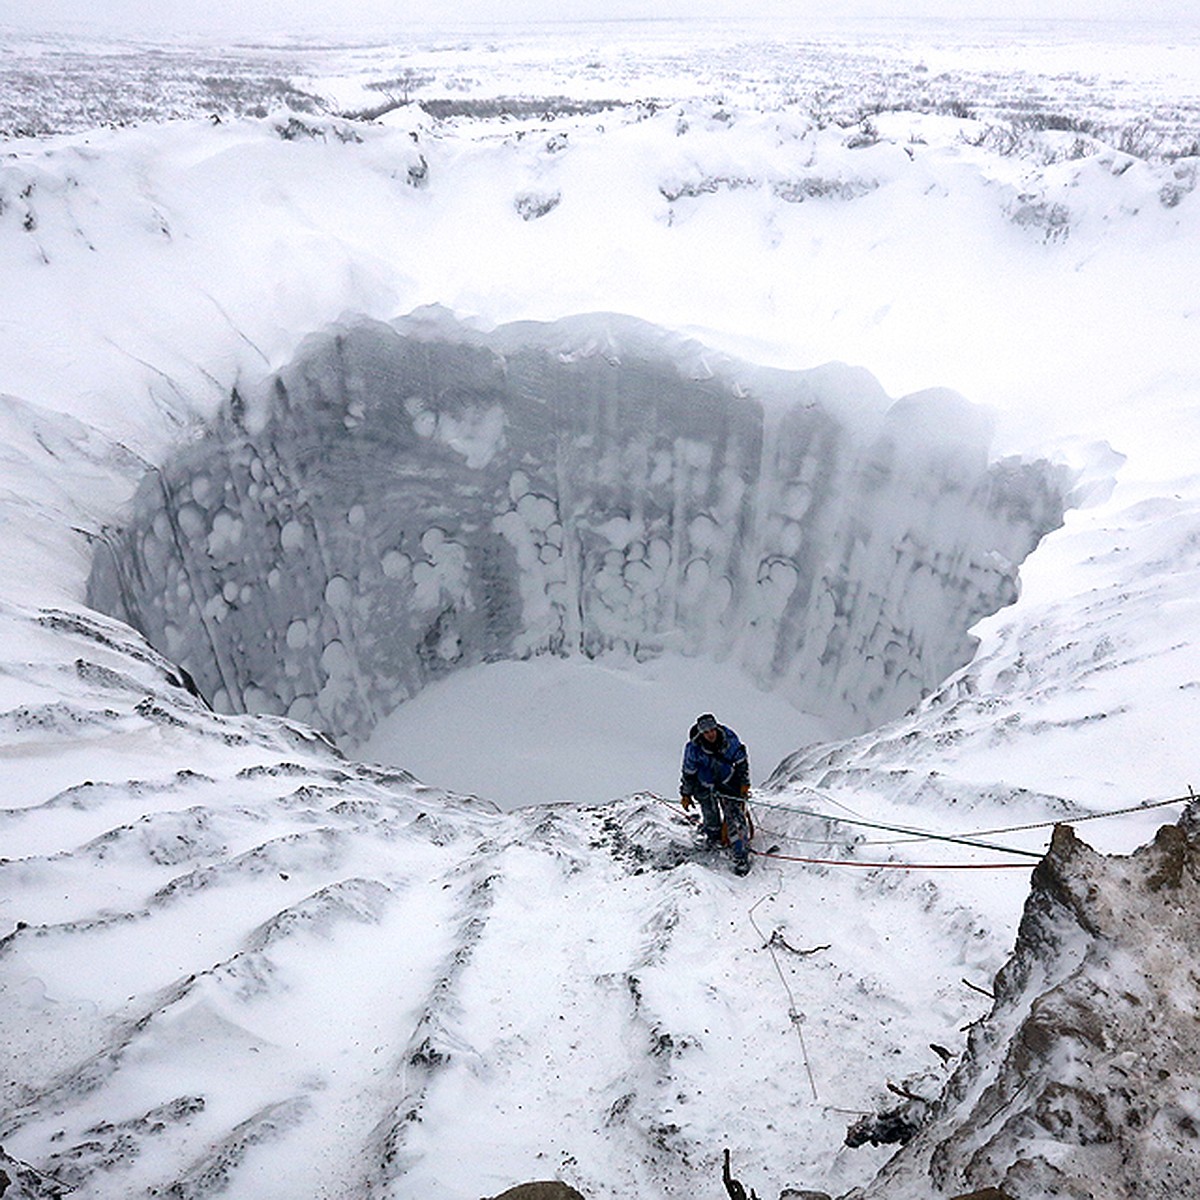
x: 741, y: 858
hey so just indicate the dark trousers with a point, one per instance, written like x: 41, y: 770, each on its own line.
x: 716, y: 809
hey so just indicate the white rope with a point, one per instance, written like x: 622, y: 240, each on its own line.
x: 794, y: 1014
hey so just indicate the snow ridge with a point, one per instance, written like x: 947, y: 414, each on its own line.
x: 289, y: 973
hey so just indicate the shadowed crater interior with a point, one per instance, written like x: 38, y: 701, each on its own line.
x: 406, y: 499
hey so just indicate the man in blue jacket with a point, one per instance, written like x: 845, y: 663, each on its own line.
x: 716, y: 773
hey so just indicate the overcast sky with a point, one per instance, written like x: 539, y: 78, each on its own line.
x: 298, y: 15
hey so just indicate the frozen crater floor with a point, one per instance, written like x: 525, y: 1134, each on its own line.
x: 547, y: 729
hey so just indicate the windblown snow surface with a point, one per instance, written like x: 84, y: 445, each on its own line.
x: 846, y: 386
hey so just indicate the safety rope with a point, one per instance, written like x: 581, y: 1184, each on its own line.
x: 835, y: 862
x: 1144, y: 806
x: 778, y: 835
x: 913, y: 834
x: 897, y: 866
x: 918, y: 835
x: 924, y: 833
x: 794, y: 1014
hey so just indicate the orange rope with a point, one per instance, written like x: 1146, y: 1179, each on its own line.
x: 849, y: 862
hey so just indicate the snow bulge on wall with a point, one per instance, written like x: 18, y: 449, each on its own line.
x: 411, y: 498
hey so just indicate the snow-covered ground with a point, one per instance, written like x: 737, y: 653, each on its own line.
x: 238, y: 961
x: 547, y: 729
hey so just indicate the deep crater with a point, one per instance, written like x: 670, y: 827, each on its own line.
x: 407, y: 499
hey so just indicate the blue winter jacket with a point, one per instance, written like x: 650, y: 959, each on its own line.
x: 723, y: 767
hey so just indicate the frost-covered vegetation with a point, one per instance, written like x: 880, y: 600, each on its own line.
x: 64, y: 84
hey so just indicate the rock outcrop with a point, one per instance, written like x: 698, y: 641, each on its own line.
x: 542, y: 1189
x: 1084, y: 1080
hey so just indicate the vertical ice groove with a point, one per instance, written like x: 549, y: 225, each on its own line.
x: 195, y: 589
x: 620, y: 491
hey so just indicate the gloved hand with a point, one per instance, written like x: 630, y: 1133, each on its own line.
x: 745, y: 790
x: 685, y: 800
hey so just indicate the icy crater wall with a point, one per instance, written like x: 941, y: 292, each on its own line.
x: 412, y: 498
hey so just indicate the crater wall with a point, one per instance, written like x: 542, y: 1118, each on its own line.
x: 410, y: 498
